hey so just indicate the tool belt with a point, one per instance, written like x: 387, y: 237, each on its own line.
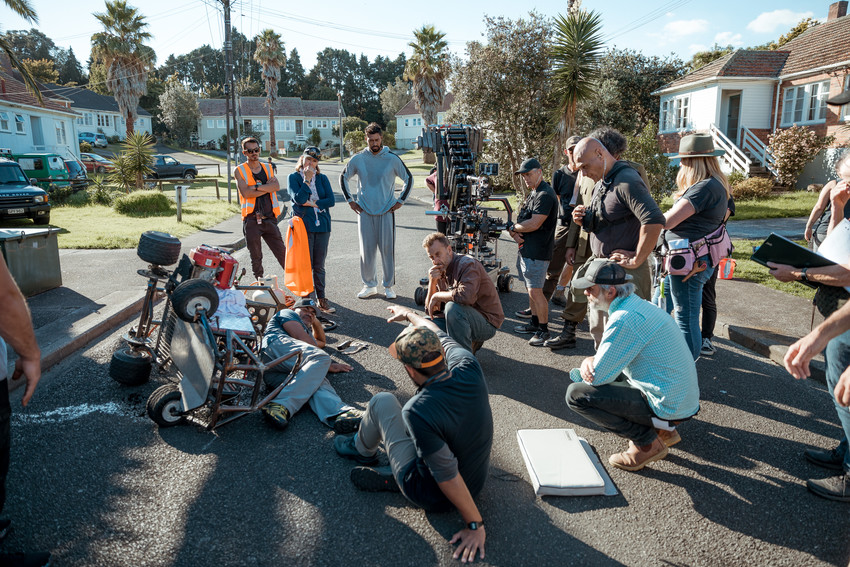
x: 680, y: 255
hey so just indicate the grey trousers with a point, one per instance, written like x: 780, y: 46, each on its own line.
x: 383, y: 422
x: 377, y: 232
x: 465, y: 324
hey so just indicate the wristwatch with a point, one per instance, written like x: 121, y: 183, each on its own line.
x: 803, y: 277
x: 475, y: 525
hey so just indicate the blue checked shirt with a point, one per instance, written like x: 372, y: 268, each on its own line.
x: 644, y: 343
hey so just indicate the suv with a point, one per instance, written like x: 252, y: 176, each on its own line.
x: 167, y: 166
x: 77, y: 173
x: 48, y: 169
x: 18, y: 198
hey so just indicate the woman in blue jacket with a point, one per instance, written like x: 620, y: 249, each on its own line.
x: 312, y: 198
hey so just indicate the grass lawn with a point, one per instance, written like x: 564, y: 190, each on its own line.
x: 782, y: 205
x: 748, y: 270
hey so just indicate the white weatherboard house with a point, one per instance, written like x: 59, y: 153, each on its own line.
x: 409, y: 122
x: 294, y: 119
x: 746, y: 95
x: 99, y: 114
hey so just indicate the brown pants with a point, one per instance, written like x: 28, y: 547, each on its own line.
x: 559, y: 257
x: 255, y: 234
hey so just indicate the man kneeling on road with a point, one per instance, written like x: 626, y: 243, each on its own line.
x: 289, y: 331
x: 640, y: 341
x: 462, y: 299
x: 438, y: 445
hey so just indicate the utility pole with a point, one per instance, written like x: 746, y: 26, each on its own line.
x: 341, y: 134
x: 228, y: 94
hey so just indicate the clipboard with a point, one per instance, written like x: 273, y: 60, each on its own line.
x: 781, y: 250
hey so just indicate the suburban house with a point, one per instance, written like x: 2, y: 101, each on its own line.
x: 27, y: 125
x: 746, y: 95
x: 99, y: 113
x: 293, y: 119
x: 409, y: 122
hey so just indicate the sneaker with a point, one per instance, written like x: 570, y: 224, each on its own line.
x: 367, y: 291
x: 347, y: 422
x: 669, y: 438
x: 567, y: 338
x: 707, y: 348
x: 559, y: 298
x: 826, y: 458
x: 377, y: 479
x: 635, y: 458
x: 40, y: 559
x: 325, y: 306
x: 524, y: 314
x: 344, y: 445
x: 539, y: 338
x: 527, y: 329
x: 276, y: 414
x: 388, y: 291
x: 833, y: 488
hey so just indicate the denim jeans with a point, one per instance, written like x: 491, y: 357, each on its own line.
x: 618, y: 408
x: 837, y: 360
x: 318, y: 242
x: 687, y: 300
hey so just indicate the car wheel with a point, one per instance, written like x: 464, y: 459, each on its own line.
x: 191, y: 295
x: 100, y: 169
x: 130, y: 367
x: 42, y: 220
x: 158, y: 248
x: 189, y: 175
x: 165, y: 406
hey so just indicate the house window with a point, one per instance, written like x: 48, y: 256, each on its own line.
x: 844, y: 113
x: 407, y: 122
x: 89, y: 119
x: 289, y: 125
x: 20, y: 124
x: 279, y: 125
x: 805, y: 103
x: 61, y: 137
x: 333, y: 123
x: 210, y: 123
x: 261, y: 125
x: 309, y: 124
x: 4, y: 122
x: 675, y: 113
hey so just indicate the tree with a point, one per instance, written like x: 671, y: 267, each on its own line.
x: 797, y: 30
x: 26, y: 11
x: 315, y: 137
x: 428, y: 68
x: 31, y: 44
x: 179, y: 110
x: 97, y: 77
x: 120, y: 46
x: 644, y: 149
x: 135, y: 160
x: 503, y: 87
x: 794, y: 147
x: 42, y: 70
x: 271, y: 55
x: 351, y: 124
x: 575, y: 63
x: 292, y: 77
x: 394, y: 97
x: 703, y: 58
x: 70, y: 71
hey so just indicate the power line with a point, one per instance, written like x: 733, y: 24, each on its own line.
x: 647, y: 18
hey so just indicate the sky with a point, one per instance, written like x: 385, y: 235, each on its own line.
x: 384, y: 27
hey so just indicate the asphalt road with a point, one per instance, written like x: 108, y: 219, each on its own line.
x: 97, y: 483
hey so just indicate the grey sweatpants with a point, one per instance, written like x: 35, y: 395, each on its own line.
x: 383, y: 422
x: 377, y: 232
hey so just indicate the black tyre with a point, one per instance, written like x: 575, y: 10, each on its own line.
x: 505, y: 283
x: 100, y: 169
x: 420, y: 295
x: 165, y: 407
x: 42, y: 220
x: 130, y: 367
x: 189, y: 175
x: 158, y: 248
x: 191, y: 295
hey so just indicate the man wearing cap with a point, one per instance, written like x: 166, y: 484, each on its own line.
x: 623, y: 219
x: 642, y: 342
x: 462, y: 299
x: 438, y: 444
x: 298, y: 329
x: 258, y: 190
x: 375, y: 203
x: 534, y: 232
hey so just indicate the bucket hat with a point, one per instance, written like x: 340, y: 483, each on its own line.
x: 697, y: 145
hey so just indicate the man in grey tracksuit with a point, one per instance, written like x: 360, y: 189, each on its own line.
x: 375, y: 204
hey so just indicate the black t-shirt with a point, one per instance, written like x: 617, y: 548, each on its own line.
x: 455, y: 413
x: 709, y: 199
x: 564, y: 182
x: 263, y: 203
x: 539, y: 245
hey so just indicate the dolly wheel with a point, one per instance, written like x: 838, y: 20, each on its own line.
x: 505, y: 283
x: 165, y: 406
x: 159, y: 248
x: 130, y: 367
x: 192, y: 295
x: 420, y: 295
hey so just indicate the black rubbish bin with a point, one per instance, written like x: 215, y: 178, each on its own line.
x: 32, y: 255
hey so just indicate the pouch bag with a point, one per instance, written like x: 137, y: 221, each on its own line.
x: 679, y: 257
x: 719, y: 245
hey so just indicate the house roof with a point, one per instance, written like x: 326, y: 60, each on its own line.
x: 410, y: 109
x: 89, y: 100
x: 13, y: 90
x: 741, y: 63
x: 285, y: 106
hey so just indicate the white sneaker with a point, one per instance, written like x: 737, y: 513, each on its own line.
x: 388, y: 291
x: 367, y: 291
x: 707, y: 348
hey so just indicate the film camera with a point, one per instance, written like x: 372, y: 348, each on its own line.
x: 471, y: 228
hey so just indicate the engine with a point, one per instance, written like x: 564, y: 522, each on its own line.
x: 214, y: 265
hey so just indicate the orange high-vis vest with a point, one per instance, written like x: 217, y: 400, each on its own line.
x: 249, y: 202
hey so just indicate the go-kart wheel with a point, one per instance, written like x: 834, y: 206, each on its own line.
x: 420, y: 295
x: 130, y: 367
x: 165, y: 406
x: 191, y: 295
x: 158, y: 248
x: 505, y: 283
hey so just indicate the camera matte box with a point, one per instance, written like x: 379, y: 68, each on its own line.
x: 560, y: 463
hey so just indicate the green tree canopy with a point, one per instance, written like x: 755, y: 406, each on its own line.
x: 179, y: 110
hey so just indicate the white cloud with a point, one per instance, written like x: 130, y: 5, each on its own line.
x: 728, y: 38
x: 769, y: 22
x: 681, y: 28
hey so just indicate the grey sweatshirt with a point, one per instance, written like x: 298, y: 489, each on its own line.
x: 376, y: 180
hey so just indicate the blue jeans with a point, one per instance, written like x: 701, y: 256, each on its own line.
x: 318, y: 243
x: 687, y: 300
x: 837, y: 360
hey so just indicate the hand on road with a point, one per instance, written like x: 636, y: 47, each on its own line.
x: 471, y: 542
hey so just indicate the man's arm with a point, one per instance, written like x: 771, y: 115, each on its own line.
x: 837, y: 275
x: 407, y: 178
x: 839, y: 196
x: 254, y: 191
x: 401, y: 314
x: 296, y: 330
x: 346, y: 174
x: 471, y: 541
x: 800, y: 353
x: 647, y: 240
x: 817, y: 210
x: 617, y: 348
x: 435, y: 297
x: 842, y: 389
x: 16, y: 329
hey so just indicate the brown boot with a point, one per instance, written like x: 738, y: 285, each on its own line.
x: 670, y: 438
x: 635, y: 458
x: 476, y: 346
x: 325, y: 306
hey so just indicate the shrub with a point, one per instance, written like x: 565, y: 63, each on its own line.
x: 59, y: 194
x: 735, y: 177
x: 644, y: 149
x: 794, y: 147
x: 752, y: 188
x: 143, y: 204
x: 389, y: 140
x: 113, y: 139
x: 99, y: 193
x: 85, y: 147
x: 78, y: 199
x: 354, y: 141
x: 315, y: 137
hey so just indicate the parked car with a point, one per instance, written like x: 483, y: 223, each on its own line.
x: 167, y: 166
x: 86, y: 137
x: 77, y: 173
x: 95, y: 163
x: 18, y: 197
x: 48, y: 169
x: 100, y: 141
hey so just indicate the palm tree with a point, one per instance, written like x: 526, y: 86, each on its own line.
x: 127, y: 60
x: 26, y: 11
x: 575, y: 53
x: 428, y: 68
x: 270, y: 54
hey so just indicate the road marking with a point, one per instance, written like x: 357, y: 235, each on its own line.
x: 70, y: 413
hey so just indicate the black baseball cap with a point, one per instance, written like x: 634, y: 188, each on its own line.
x: 528, y: 165
x: 603, y: 272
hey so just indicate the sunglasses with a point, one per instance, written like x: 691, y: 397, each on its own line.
x: 313, y: 152
x: 251, y: 150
